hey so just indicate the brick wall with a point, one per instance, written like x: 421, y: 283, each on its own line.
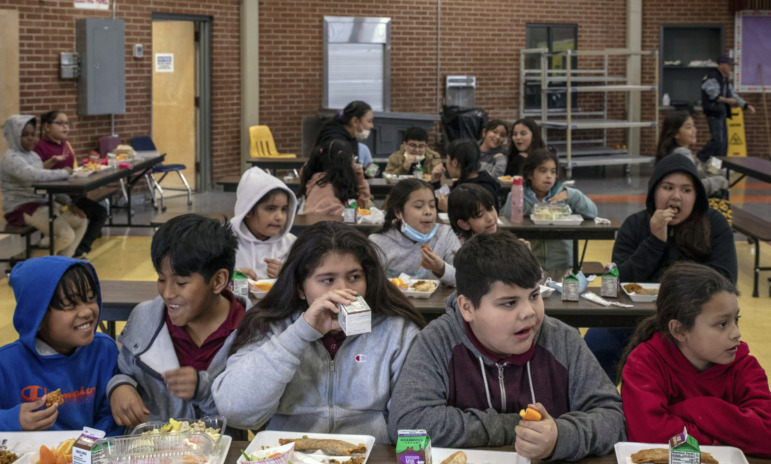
x: 481, y: 38
x: 47, y: 28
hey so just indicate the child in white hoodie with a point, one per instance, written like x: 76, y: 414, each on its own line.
x: 264, y: 214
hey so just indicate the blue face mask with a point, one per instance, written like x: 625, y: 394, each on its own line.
x: 413, y: 234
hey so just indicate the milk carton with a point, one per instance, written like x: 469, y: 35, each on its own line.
x: 609, y: 285
x: 571, y: 288
x: 684, y: 449
x: 355, y: 318
x: 84, y: 450
x: 413, y: 447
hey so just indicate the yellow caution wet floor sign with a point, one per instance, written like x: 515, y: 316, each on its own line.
x: 737, y: 144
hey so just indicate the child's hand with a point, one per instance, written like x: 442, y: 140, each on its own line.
x: 274, y: 266
x: 31, y: 419
x: 248, y: 272
x: 562, y: 196
x: 181, y: 382
x: 441, y: 202
x: 408, y: 160
x: 659, y: 222
x: 536, y: 439
x: 127, y: 406
x: 322, y: 313
x: 437, y: 173
x: 358, y: 170
x: 431, y: 261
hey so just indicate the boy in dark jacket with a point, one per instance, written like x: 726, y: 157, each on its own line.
x: 494, y: 353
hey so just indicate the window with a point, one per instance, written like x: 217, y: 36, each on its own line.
x: 555, y: 38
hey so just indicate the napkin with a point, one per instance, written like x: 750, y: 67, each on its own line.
x: 601, y: 221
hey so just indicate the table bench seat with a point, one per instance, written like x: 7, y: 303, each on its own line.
x: 757, y: 230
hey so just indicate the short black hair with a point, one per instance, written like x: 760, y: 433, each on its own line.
x: 489, y: 258
x: 76, y: 283
x: 463, y: 204
x: 195, y: 244
x: 415, y: 133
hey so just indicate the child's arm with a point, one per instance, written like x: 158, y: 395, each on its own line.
x: 419, y: 401
x: 595, y: 422
x: 250, y: 388
x: 103, y: 418
x: 744, y: 423
x: 29, y: 416
x: 499, y: 165
x: 581, y: 204
x: 126, y: 405
x: 17, y: 166
x: 362, y: 186
x: 636, y: 252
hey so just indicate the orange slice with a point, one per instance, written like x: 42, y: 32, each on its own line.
x: 530, y: 414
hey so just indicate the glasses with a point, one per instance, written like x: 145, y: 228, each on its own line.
x: 62, y: 123
x: 415, y: 146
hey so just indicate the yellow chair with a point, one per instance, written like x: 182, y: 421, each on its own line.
x: 262, y: 144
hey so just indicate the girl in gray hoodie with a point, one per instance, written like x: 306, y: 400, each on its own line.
x: 291, y: 366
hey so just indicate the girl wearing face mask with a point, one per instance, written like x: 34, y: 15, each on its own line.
x: 351, y: 124
x: 410, y: 225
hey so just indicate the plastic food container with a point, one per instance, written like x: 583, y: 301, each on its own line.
x: 643, y: 298
x: 166, y: 448
x: 215, y: 422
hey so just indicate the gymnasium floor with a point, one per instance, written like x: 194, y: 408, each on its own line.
x: 125, y: 254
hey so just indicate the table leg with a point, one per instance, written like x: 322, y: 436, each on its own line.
x: 576, y: 267
x: 51, y: 217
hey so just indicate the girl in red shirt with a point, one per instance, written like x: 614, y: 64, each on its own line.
x: 685, y: 367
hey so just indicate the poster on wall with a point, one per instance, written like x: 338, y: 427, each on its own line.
x: 753, y: 47
x: 93, y: 4
x: 164, y: 62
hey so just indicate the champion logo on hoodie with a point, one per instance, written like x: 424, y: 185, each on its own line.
x: 360, y: 358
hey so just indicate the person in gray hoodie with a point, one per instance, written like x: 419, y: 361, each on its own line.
x: 291, y: 366
x: 175, y: 345
x: 19, y: 169
x: 264, y: 214
x: 493, y: 353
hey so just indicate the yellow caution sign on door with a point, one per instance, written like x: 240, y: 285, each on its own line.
x: 737, y: 144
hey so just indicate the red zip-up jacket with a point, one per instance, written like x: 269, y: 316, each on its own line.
x: 726, y: 404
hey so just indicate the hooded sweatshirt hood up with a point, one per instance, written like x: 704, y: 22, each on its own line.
x: 29, y: 368
x: 13, y: 128
x: 672, y: 164
x: 254, y: 185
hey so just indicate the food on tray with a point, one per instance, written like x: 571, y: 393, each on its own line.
x: 363, y: 212
x: 506, y: 178
x: 426, y: 176
x: 399, y: 282
x: 661, y: 456
x: 639, y: 290
x: 530, y: 414
x: 54, y: 397
x: 458, y: 457
x: 62, y: 454
x: 329, y: 446
x: 353, y: 460
x: 6, y: 457
x: 425, y: 247
x: 175, y: 427
x: 424, y: 286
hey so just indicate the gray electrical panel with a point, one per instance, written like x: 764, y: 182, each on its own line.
x: 102, y: 84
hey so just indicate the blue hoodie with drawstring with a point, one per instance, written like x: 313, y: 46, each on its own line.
x: 30, y: 368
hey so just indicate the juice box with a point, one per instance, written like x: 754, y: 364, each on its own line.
x: 684, y: 449
x: 413, y: 447
x: 355, y: 318
x: 84, y: 451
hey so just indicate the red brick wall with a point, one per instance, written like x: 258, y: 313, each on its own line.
x: 481, y: 38
x: 47, y: 28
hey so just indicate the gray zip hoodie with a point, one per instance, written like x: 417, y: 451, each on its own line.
x: 465, y: 399
x: 288, y: 380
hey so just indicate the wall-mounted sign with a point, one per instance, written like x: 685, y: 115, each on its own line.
x: 164, y: 62
x: 93, y: 4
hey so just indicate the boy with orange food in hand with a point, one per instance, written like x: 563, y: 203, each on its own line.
x: 494, y: 353
x: 175, y: 345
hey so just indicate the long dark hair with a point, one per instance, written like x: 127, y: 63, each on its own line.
x: 685, y: 288
x: 535, y: 159
x: 307, y: 254
x: 355, y: 109
x: 535, y: 143
x: 48, y: 118
x: 492, y: 125
x: 669, y: 129
x: 335, y: 160
x: 466, y: 152
x: 692, y: 236
x: 398, y: 198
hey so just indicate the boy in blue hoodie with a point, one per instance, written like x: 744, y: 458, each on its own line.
x: 58, y: 303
